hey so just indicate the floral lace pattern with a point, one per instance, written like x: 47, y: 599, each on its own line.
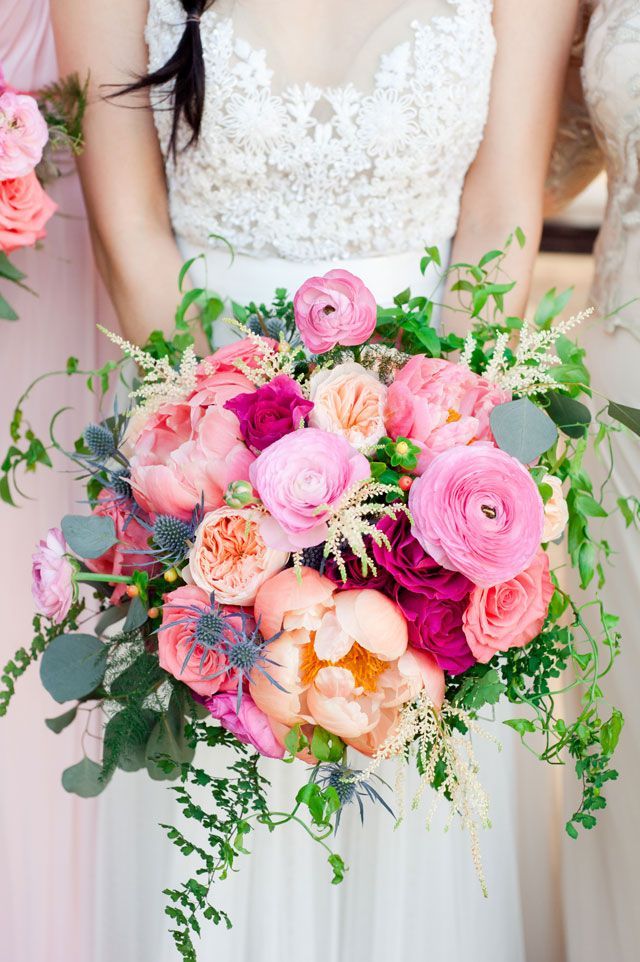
x: 611, y: 76
x: 318, y: 173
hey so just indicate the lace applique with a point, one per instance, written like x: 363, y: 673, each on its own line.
x: 328, y: 173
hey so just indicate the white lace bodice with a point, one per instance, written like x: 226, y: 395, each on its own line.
x: 372, y: 165
x: 611, y: 76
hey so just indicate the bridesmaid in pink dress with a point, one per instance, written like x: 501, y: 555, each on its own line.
x: 46, y: 836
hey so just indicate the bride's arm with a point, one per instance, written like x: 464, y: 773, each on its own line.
x: 121, y: 168
x: 505, y: 186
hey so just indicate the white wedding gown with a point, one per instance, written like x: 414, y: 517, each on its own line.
x: 334, y: 134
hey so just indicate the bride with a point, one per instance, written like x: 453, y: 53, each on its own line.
x: 309, y: 136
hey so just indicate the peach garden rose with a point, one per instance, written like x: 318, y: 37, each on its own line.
x: 349, y: 400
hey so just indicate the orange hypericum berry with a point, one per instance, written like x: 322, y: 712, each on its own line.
x: 171, y: 575
x: 133, y: 591
x: 405, y: 482
x: 153, y: 613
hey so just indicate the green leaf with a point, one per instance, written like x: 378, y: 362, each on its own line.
x: 9, y: 270
x: 523, y: 726
x: 488, y: 257
x: 550, y: 306
x: 610, y: 732
x: 520, y: 237
x: 589, y: 506
x: 73, y: 666
x: 523, y: 430
x: 295, y: 741
x: 478, y: 690
x: 110, y: 616
x: 89, y: 535
x: 136, y: 615
x: 325, y: 746
x: 62, y: 721
x: 7, y: 313
x: 5, y: 491
x: 83, y: 779
x: 140, y: 678
x: 586, y: 563
x: 167, y: 740
x: 626, y: 415
x: 337, y: 864
x: 571, y: 830
x: 572, y: 417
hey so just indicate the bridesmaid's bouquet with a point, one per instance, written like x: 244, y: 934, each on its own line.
x: 331, y: 540
x: 33, y: 130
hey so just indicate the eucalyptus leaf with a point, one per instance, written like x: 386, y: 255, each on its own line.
x: 110, y: 616
x: 168, y: 740
x: 61, y: 722
x: 136, y: 615
x: 572, y: 417
x: 89, y: 535
x: 522, y: 430
x: 73, y: 666
x: 83, y: 779
x: 626, y: 415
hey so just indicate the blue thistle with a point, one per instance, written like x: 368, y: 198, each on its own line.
x: 171, y: 536
x: 349, y: 789
x: 99, y: 440
x: 120, y: 484
x: 314, y: 558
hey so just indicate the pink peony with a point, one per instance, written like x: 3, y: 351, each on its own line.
x: 225, y: 359
x: 23, y: 134
x: 170, y: 478
x: 249, y: 725
x: 334, y: 309
x: 349, y: 400
x: 176, y: 638
x: 24, y: 211
x: 438, y: 405
x: 230, y: 558
x: 300, y: 478
x: 131, y: 552
x: 478, y: 511
x: 52, y: 573
x: 511, y: 614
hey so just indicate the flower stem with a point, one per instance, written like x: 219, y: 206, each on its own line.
x: 110, y: 579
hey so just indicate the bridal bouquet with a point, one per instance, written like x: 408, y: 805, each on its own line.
x: 32, y: 129
x: 328, y: 541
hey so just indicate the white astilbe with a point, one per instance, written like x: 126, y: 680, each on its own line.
x: 439, y: 745
x: 534, y: 357
x: 269, y: 362
x: 161, y: 382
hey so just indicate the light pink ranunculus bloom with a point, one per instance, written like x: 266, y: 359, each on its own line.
x: 23, y: 134
x: 556, y: 511
x: 175, y: 640
x: 334, y: 309
x: 250, y: 725
x: 168, y: 480
x: 52, y: 573
x: 229, y: 556
x: 300, y: 478
x: 349, y: 401
x: 478, y: 511
x: 342, y: 658
x: 439, y: 405
x: 132, y: 550
x: 511, y: 614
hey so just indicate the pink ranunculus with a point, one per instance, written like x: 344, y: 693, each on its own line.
x: 478, y: 511
x: 334, y: 309
x: 250, y: 725
x: 349, y: 400
x: 300, y: 479
x: 23, y: 134
x: 52, y: 572
x: 438, y: 405
x: 229, y: 556
x: 24, y: 211
x: 175, y: 640
x: 131, y: 553
x: 173, y: 480
x: 510, y: 614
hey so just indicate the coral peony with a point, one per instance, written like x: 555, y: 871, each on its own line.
x: 478, y: 511
x: 334, y: 309
x: 23, y: 134
x: 300, y: 479
x: 24, y: 211
x: 52, y: 573
x: 230, y: 558
x: 511, y: 614
x: 266, y: 415
x: 438, y: 405
x: 349, y: 401
x: 249, y: 724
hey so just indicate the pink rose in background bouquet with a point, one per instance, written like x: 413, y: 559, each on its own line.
x: 23, y: 134
x: 334, y: 309
x: 299, y: 479
x: 52, y: 585
x: 24, y: 211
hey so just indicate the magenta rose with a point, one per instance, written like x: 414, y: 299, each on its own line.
x: 334, y: 309
x: 132, y: 550
x: 300, y: 479
x: 52, y: 573
x: 266, y: 415
x: 23, y: 134
x: 250, y: 725
x: 435, y: 625
x: 477, y: 510
x: 511, y: 614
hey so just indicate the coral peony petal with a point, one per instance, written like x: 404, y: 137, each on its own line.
x: 374, y: 621
x: 288, y: 591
